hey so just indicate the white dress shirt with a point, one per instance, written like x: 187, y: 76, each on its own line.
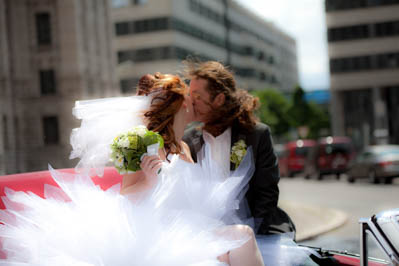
x: 220, y: 148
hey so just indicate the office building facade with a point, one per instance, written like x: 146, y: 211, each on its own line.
x: 363, y: 46
x: 53, y: 53
x: 153, y: 36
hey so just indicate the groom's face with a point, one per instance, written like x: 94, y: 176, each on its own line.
x: 201, y: 99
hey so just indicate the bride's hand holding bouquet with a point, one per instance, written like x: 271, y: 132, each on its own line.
x: 137, y: 150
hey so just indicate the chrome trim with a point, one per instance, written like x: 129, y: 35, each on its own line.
x: 371, y: 226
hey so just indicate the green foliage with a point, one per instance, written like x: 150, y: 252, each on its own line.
x: 283, y: 114
x: 273, y: 110
x: 320, y: 120
x: 299, y: 112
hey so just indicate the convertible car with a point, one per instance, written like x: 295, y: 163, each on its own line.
x: 383, y: 228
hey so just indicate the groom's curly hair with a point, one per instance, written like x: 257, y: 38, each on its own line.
x: 167, y: 93
x: 239, y: 106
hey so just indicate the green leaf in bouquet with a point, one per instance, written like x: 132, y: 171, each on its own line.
x: 160, y: 141
x: 152, y: 137
x: 129, y: 154
x: 134, y: 140
x: 149, y: 138
x: 134, y: 165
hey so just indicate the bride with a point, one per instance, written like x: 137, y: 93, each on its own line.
x: 170, y: 112
x: 172, y: 212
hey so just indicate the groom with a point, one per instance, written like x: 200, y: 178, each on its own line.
x: 227, y: 113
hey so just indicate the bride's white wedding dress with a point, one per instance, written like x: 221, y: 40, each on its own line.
x: 181, y: 221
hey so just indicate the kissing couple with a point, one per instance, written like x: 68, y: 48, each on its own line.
x: 201, y: 200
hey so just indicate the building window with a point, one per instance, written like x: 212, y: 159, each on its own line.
x: 142, y: 26
x: 271, y: 60
x: 262, y: 76
x: 122, y: 28
x: 273, y: 79
x: 139, y: 2
x: 43, y: 28
x: 386, y: 29
x: 47, y: 82
x: 50, y: 130
x: 386, y: 61
x: 348, y: 33
x: 157, y: 53
x: 119, y: 3
x: 165, y: 23
x: 361, y: 63
x: 334, y: 5
x: 245, y: 72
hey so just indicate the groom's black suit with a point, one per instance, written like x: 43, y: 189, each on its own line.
x: 263, y: 192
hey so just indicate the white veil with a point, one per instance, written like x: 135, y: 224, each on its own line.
x: 102, y: 120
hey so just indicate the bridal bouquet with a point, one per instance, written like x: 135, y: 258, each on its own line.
x: 128, y: 148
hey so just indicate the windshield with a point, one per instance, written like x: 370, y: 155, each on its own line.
x: 337, y: 148
x: 302, y: 151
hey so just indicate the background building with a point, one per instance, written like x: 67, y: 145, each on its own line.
x: 52, y: 54
x: 156, y: 35
x: 363, y: 48
x: 56, y: 52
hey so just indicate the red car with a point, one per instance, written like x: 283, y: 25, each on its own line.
x: 293, y: 155
x: 383, y: 227
x: 331, y: 155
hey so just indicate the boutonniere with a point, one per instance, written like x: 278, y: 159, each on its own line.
x: 238, y: 152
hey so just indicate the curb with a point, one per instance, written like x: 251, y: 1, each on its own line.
x: 311, y: 221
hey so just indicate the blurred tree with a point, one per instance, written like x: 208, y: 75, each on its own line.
x: 281, y: 114
x: 273, y: 110
x: 299, y: 111
x: 309, y: 115
x: 320, y: 120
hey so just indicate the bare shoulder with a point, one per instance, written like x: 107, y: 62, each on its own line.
x: 184, y: 144
x: 185, y: 147
x: 186, y: 151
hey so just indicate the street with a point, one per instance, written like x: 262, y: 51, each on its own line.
x: 357, y: 200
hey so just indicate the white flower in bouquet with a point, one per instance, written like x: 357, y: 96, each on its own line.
x: 140, y: 130
x: 128, y: 148
x: 124, y: 142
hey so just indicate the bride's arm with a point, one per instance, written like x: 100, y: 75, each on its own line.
x: 133, y: 182
x: 143, y: 179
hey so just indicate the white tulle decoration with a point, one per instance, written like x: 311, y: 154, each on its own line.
x: 178, y: 222
x: 102, y: 121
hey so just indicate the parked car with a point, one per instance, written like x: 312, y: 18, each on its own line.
x: 331, y: 155
x: 383, y: 227
x: 378, y: 163
x: 293, y: 156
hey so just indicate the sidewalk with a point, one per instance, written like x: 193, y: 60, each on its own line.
x: 311, y: 221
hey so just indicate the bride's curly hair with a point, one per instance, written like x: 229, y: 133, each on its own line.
x: 239, y: 106
x: 167, y: 92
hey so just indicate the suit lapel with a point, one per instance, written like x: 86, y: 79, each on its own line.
x: 198, y: 142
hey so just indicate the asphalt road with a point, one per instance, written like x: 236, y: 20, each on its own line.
x: 357, y: 200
